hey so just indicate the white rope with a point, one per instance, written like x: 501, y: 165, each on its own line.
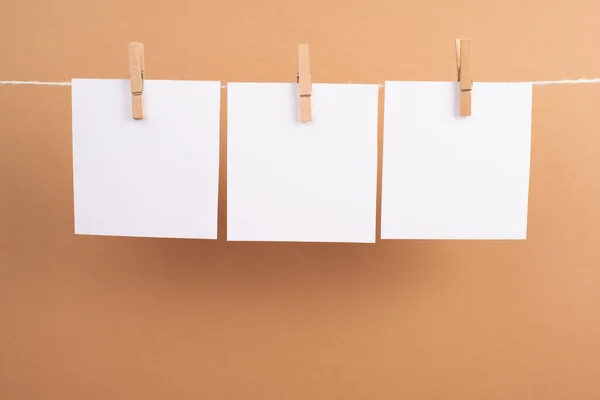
x: 35, y: 83
x: 541, y: 83
x: 567, y: 82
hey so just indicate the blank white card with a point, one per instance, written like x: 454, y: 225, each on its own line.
x: 156, y: 177
x: 301, y: 182
x: 452, y: 177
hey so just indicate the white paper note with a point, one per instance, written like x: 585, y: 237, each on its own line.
x: 452, y: 177
x: 156, y: 177
x: 301, y: 182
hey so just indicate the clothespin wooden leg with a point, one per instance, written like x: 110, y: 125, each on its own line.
x: 463, y: 60
x: 136, y: 78
x: 305, y: 84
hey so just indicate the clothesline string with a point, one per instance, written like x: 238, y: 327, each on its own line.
x: 541, y: 83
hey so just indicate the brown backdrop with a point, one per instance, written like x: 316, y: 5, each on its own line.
x: 129, y: 318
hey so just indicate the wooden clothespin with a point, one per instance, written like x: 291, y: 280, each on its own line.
x: 304, y: 83
x: 136, y: 78
x: 463, y: 63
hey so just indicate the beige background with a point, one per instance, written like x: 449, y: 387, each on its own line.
x: 129, y: 318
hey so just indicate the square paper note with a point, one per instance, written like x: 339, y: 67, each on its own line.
x: 156, y: 177
x: 301, y: 182
x: 452, y: 177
